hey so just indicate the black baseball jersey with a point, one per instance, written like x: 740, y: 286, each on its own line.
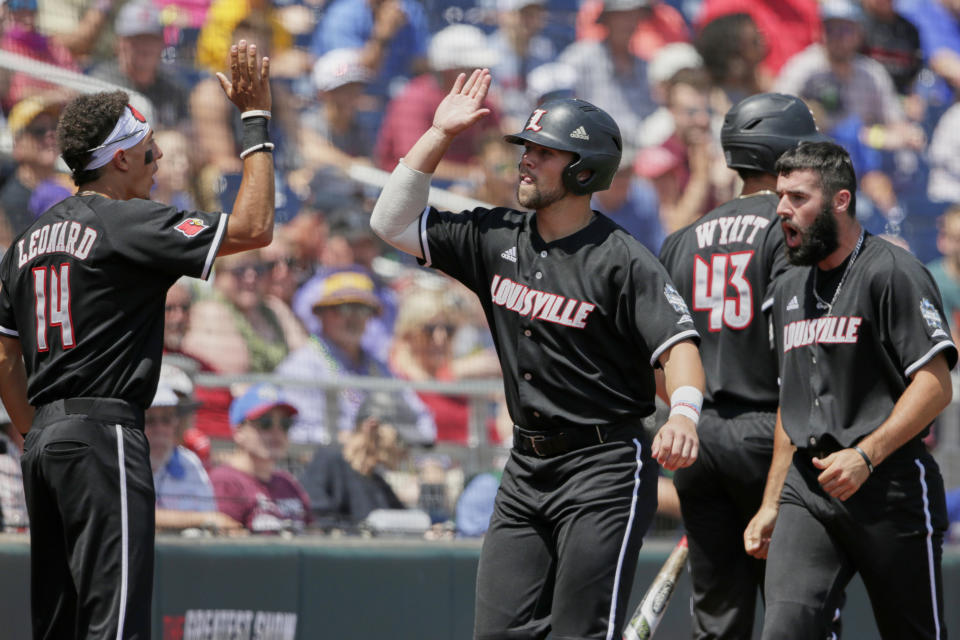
x: 724, y: 265
x: 84, y: 287
x: 842, y: 373
x: 578, y: 323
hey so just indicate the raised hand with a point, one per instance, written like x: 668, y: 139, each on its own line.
x: 249, y: 86
x: 462, y: 107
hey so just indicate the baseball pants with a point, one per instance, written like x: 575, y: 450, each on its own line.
x: 719, y: 494
x: 89, y: 493
x: 561, y: 550
x: 890, y: 531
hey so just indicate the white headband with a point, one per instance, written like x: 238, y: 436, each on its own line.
x: 130, y: 130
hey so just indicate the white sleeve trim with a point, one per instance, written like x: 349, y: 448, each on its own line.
x: 424, y: 240
x: 672, y: 340
x: 766, y: 304
x: 9, y: 332
x: 925, y: 358
x: 215, y: 246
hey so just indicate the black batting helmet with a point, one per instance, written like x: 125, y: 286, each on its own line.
x: 758, y: 129
x: 575, y: 125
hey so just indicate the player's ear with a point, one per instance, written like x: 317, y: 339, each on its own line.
x: 120, y: 160
x: 841, y: 201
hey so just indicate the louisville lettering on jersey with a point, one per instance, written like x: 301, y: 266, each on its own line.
x: 540, y: 305
x: 731, y: 228
x: 825, y: 330
x: 59, y: 237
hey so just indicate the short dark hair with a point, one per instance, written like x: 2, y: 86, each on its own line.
x: 84, y: 124
x: 829, y: 161
x: 719, y: 44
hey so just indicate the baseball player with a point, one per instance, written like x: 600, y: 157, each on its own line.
x: 581, y: 313
x: 865, y: 360
x: 724, y: 266
x: 82, y: 301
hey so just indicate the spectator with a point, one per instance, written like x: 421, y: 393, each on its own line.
x: 893, y: 41
x: 13, y: 506
x: 550, y: 81
x: 847, y: 83
x: 946, y: 269
x: 669, y: 60
x: 423, y: 350
x: 392, y: 34
x: 48, y: 193
x: 249, y: 488
x: 214, y: 402
x: 683, y: 168
x: 944, y: 182
x: 139, y: 46
x: 343, y: 301
x: 175, y: 180
x: 522, y: 48
x: 631, y: 202
x: 661, y: 25
x: 498, y: 162
x: 184, y: 493
x: 609, y: 75
x: 733, y: 50
x: 345, y: 487
x: 20, y: 36
x: 33, y: 124
x: 332, y: 132
x: 239, y: 328
x: 788, y: 26
x: 938, y: 22
x: 456, y: 48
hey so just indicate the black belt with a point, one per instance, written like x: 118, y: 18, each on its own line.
x: 546, y: 444
x: 105, y: 409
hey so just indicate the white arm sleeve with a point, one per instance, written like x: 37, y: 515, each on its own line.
x: 396, y: 215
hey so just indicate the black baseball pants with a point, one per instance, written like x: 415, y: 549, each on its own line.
x: 890, y: 531
x: 561, y: 550
x: 89, y: 493
x: 719, y: 494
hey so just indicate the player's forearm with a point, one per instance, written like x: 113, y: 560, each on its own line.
x: 925, y: 397
x: 251, y: 223
x: 397, y: 212
x: 779, y: 465
x: 946, y: 63
x: 682, y: 367
x: 13, y: 384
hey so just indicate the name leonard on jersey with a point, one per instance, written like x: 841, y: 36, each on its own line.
x: 66, y: 236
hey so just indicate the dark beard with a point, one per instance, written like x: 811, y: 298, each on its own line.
x: 539, y: 199
x: 817, y: 242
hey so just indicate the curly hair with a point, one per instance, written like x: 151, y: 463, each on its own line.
x: 84, y: 124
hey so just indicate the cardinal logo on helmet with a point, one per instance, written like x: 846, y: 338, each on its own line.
x: 191, y: 227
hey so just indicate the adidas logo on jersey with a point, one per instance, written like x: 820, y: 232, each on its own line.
x: 793, y: 304
x: 510, y: 254
x: 580, y: 133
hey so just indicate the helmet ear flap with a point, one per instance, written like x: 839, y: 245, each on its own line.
x: 572, y: 183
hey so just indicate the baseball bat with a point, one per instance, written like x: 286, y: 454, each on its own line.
x: 648, y: 614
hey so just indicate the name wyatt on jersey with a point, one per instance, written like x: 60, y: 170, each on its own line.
x: 732, y: 229
x: 67, y: 237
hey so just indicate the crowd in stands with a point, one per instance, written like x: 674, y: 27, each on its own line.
x: 354, y: 83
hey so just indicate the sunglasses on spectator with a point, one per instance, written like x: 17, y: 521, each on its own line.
x: 433, y: 327
x: 170, y: 307
x: 354, y: 309
x: 40, y: 131
x: 266, y: 423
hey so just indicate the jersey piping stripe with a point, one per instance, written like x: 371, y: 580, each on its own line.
x: 9, y: 332
x: 623, y: 546
x: 424, y: 242
x: 930, y: 560
x: 766, y: 304
x: 925, y: 358
x: 214, y: 246
x: 669, y: 342
x: 124, y: 533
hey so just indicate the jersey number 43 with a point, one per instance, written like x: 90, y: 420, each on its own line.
x: 52, y: 288
x: 711, y: 282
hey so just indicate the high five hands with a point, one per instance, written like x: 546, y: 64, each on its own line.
x: 249, y: 84
x: 462, y: 107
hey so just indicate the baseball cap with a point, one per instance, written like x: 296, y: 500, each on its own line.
x: 138, y: 18
x: 625, y: 5
x: 339, y: 67
x: 551, y: 80
x: 516, y: 5
x: 460, y: 46
x: 343, y: 287
x: 20, y: 5
x: 841, y: 10
x: 24, y: 112
x: 257, y: 401
x: 671, y: 58
x: 165, y: 397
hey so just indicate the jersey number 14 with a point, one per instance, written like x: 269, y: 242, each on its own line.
x: 52, y: 288
x: 712, y: 280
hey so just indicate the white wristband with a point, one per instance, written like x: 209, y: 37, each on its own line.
x: 686, y: 401
x: 253, y: 113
